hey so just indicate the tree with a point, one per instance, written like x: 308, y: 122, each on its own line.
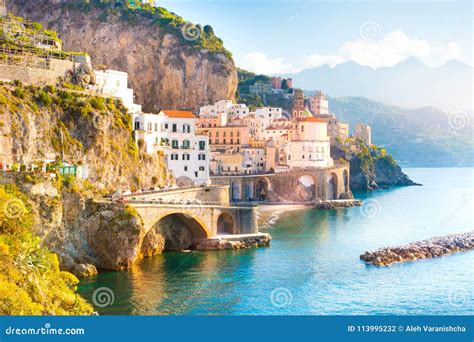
x: 284, y: 84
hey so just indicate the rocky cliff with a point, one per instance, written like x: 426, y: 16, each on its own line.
x: 171, y: 63
x: 37, y: 124
x: 370, y: 173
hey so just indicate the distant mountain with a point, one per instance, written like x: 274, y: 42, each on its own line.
x: 421, y: 137
x: 409, y: 84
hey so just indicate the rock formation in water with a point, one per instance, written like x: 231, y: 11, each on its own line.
x: 432, y: 248
x: 372, y: 169
x: 171, y: 63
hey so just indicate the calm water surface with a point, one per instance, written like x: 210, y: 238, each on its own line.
x: 313, y: 266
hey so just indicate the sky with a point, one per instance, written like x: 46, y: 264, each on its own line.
x: 287, y: 36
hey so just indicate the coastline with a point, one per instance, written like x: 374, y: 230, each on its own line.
x: 268, y: 214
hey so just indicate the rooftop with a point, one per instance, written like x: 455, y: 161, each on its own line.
x: 311, y: 119
x: 180, y: 114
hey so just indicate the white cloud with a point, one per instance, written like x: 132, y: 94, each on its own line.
x: 388, y: 50
x: 317, y: 60
x: 259, y: 63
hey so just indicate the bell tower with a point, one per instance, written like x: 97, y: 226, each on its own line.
x: 3, y: 8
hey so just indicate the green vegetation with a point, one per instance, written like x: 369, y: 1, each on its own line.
x: 19, y: 38
x: 76, y: 112
x: 31, y: 282
x: 133, y: 12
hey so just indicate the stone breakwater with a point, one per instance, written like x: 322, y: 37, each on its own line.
x: 336, y: 204
x: 431, y: 248
x: 235, y: 242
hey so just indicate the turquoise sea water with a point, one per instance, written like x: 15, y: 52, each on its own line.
x: 313, y: 267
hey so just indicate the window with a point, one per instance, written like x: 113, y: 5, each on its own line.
x: 174, y: 156
x: 231, y: 141
x: 137, y: 125
x: 223, y: 141
x: 174, y: 143
x: 185, y: 168
x: 186, y: 144
x: 149, y: 126
x: 186, y: 156
x: 201, y: 156
x: 175, y: 129
x: 202, y: 145
x: 166, y: 126
x: 202, y: 168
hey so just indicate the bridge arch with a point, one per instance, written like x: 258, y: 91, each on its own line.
x: 262, y: 187
x: 226, y: 224
x: 331, y: 186
x: 176, y: 231
x: 345, y: 176
x: 309, y: 184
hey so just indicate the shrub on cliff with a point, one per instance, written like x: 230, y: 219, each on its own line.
x: 31, y: 282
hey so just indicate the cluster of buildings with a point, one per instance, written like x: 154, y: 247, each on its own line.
x: 225, y: 138
x: 230, y: 139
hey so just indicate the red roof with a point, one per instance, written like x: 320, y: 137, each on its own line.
x: 311, y: 119
x: 179, y: 114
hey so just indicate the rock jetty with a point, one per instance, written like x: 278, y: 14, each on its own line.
x: 432, y: 248
x: 336, y: 204
x: 235, y: 242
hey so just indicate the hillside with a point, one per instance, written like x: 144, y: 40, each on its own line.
x: 409, y: 84
x: 171, y: 63
x: 421, y: 137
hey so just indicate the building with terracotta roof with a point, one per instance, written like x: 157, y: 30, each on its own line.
x: 174, y: 132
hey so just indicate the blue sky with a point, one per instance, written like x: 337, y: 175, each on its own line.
x: 282, y: 36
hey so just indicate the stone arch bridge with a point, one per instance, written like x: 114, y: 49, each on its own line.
x: 183, y: 218
x: 302, y: 185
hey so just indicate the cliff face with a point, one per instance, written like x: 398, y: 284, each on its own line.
x: 44, y: 123
x: 374, y: 173
x: 163, y: 70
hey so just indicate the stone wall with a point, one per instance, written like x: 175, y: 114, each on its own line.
x: 218, y: 194
x: 57, y: 68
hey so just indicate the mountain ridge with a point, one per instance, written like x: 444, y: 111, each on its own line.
x: 408, y: 84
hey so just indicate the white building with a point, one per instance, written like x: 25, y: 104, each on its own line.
x: 310, y: 146
x: 224, y: 106
x: 174, y: 133
x: 269, y: 114
x: 115, y: 83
